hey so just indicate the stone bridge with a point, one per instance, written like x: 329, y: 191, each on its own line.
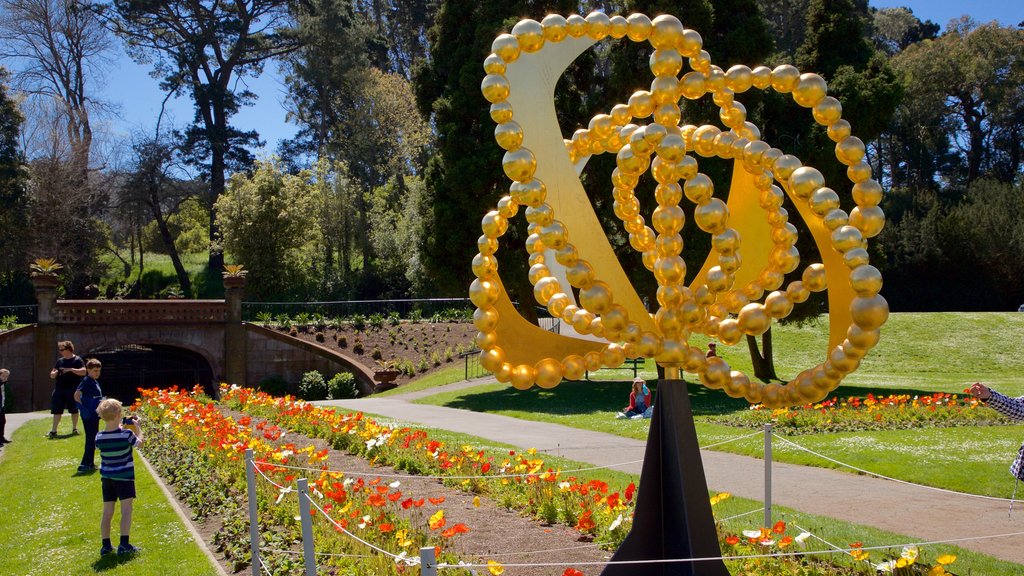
x: 162, y: 342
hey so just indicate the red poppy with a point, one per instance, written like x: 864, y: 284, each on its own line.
x: 732, y: 540
x: 395, y: 496
x: 630, y: 490
x: 572, y: 572
x: 436, y: 501
x: 457, y: 529
x: 585, y: 522
x: 779, y: 527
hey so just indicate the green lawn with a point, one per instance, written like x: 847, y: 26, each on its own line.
x: 52, y: 516
x: 835, y: 531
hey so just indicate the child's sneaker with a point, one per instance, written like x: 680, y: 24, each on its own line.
x: 74, y: 431
x: 106, y: 550
x: 51, y: 434
x: 128, y: 549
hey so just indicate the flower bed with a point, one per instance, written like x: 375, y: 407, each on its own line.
x: 894, y: 412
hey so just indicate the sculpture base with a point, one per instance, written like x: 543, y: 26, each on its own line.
x: 673, y: 516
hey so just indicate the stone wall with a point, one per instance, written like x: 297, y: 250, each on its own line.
x: 17, y: 355
x: 271, y: 353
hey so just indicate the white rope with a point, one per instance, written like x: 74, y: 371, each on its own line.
x: 741, y: 515
x: 883, y: 477
x: 326, y: 554
x: 394, y: 557
x: 816, y: 537
x: 570, y: 548
x: 744, y: 557
x: 732, y: 440
x: 263, y: 565
x: 276, y: 485
x: 440, y: 477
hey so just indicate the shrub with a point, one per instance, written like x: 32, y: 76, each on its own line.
x: 275, y: 385
x: 394, y: 319
x: 264, y: 318
x: 358, y: 347
x: 416, y: 316
x: 319, y: 322
x: 342, y: 341
x: 283, y: 321
x: 320, y: 337
x: 359, y: 321
x: 8, y: 322
x: 377, y: 321
x: 342, y: 386
x: 313, y: 386
x: 376, y: 354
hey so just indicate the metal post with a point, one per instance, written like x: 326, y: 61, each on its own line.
x: 768, y: 475
x: 307, y: 528
x: 254, y: 531
x: 428, y: 561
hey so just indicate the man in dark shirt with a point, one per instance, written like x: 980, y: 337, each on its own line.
x: 66, y: 374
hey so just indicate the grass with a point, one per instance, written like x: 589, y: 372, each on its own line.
x: 159, y: 273
x: 52, y: 516
x: 835, y: 531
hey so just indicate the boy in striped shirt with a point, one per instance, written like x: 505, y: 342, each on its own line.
x: 117, y: 472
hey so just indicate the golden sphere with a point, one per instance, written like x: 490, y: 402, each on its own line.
x: 506, y: 46
x: 664, y: 90
x: 753, y: 320
x: 670, y: 270
x: 866, y: 339
x: 495, y: 88
x: 509, y: 135
x: 542, y: 215
x: 698, y: 189
x: 715, y: 79
x: 530, y: 35
x: 492, y: 359
x: 483, y: 293
x: 717, y: 372
x: 852, y: 351
x: 718, y: 280
x: 592, y: 361
x: 690, y: 43
x: 581, y: 320
x: 523, y: 376
x: 538, y: 272
x: 755, y: 393
x: 733, y: 116
x: 616, y: 318
x: 784, y: 259
x: 841, y: 362
x: 846, y: 238
x: 711, y: 216
x: 784, y: 167
x: 639, y: 27
x: 545, y: 289
x: 554, y: 27
x: 531, y: 193
x: 726, y: 242
x: 576, y: 25
x: 810, y: 90
x: 501, y: 112
x: 666, y: 62
x: 823, y: 201
x: 580, y: 274
x: 549, y: 373
x: 814, y: 277
x: 599, y: 25
x: 730, y: 262
x: 729, y: 331
x: 485, y: 340
x: 672, y: 353
x: 666, y: 32
x: 618, y: 26
x: 597, y: 297
x: 869, y: 313
x: 737, y: 385
x: 672, y: 148
x: 868, y: 219
x: 668, y: 219
x: 785, y: 235
x: 785, y: 78
x: 797, y: 292
x: 770, y: 279
x: 485, y: 319
x: 519, y: 165
x: 704, y: 140
x: 739, y: 78
x: 836, y: 218
x: 859, y: 172
x: 701, y: 62
x: 866, y: 280
x: 772, y: 395
x: 850, y: 150
x: 867, y: 193
x: 839, y: 130
x: 694, y: 360
x: 804, y: 181
x: 485, y: 266
x: 613, y: 356
x: 641, y: 105
x: 508, y: 207
x: 493, y: 64
x: 649, y: 345
x: 761, y: 77
x: 668, y: 114
x: 855, y: 258
x: 487, y: 245
x: 558, y: 303
x: 828, y: 111
x: 493, y: 224
x: 573, y: 367
x: 778, y: 305
x: 569, y: 312
x: 753, y: 153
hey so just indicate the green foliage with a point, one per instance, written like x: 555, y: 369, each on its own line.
x: 13, y: 191
x: 8, y: 322
x: 376, y: 321
x: 313, y: 386
x: 274, y: 384
x: 342, y: 386
x: 190, y: 226
x: 268, y: 221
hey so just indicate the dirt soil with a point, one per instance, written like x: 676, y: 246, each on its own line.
x: 495, y: 532
x: 419, y: 348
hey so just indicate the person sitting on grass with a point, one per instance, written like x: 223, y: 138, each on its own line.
x: 639, y: 400
x: 117, y: 472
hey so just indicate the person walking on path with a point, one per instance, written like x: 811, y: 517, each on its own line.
x: 66, y: 374
x: 4, y: 375
x: 87, y: 397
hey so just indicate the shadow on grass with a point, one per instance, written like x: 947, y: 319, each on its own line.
x: 582, y: 397
x: 111, y: 561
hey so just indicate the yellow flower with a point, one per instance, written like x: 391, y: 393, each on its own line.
x: 859, y: 555
x: 946, y: 559
x: 495, y: 568
x: 476, y: 501
x: 937, y: 571
x: 719, y: 497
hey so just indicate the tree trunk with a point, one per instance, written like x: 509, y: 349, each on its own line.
x: 764, y: 363
x: 218, y: 151
x: 172, y: 250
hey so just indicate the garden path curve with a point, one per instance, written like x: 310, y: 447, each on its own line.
x: 921, y: 514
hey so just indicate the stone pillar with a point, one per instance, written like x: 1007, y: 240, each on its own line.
x: 45, y: 348
x: 236, y: 355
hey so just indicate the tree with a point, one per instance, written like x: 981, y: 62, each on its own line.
x: 969, y: 79
x: 203, y: 48
x: 897, y: 28
x: 269, y: 223
x: 13, y: 196
x: 60, y: 48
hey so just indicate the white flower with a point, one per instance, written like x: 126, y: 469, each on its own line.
x: 910, y: 553
x: 802, y: 537
x: 564, y: 486
x: 395, y: 484
x: 752, y: 533
x: 615, y: 523
x: 886, y: 566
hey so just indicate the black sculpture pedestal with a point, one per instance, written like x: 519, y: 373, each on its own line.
x: 673, y: 516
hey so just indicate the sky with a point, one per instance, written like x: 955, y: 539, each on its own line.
x: 136, y: 96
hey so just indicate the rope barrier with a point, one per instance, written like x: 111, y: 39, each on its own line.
x: 394, y: 557
x: 325, y: 554
x: 883, y: 477
x: 742, y: 515
x: 709, y: 446
x: 567, y: 549
x: 276, y: 485
x: 743, y: 557
x: 816, y: 537
x: 263, y: 565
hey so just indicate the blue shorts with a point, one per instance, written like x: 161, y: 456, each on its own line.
x: 114, y: 490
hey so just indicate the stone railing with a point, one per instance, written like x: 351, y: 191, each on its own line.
x: 140, y: 312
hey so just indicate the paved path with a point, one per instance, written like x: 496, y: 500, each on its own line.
x: 922, y: 514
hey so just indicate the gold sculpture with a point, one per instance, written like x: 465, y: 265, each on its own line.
x: 722, y: 301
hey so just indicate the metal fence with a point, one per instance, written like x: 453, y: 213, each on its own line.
x: 11, y: 316
x: 426, y: 308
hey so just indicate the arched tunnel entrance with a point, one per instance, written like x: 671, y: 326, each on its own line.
x: 132, y: 366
